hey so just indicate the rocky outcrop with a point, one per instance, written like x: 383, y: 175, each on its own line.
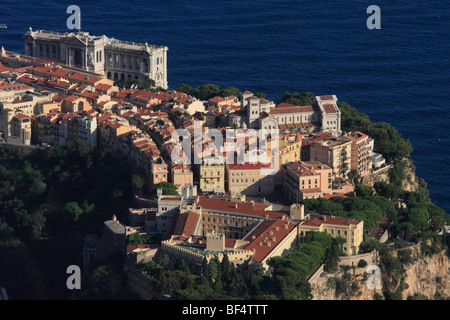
x: 379, y: 175
x: 427, y: 277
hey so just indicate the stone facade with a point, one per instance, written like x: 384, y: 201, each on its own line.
x: 116, y: 59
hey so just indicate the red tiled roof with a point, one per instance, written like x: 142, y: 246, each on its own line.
x: 132, y: 247
x: 290, y: 108
x: 264, y: 238
x: 329, y: 108
x: 248, y: 166
x: 316, y: 220
x: 325, y: 98
x: 186, y: 224
x: 238, y: 207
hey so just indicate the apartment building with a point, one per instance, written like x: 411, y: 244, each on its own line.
x: 181, y: 175
x: 306, y: 180
x: 211, y: 175
x: 250, y: 179
x: 361, y: 150
x: 328, y: 152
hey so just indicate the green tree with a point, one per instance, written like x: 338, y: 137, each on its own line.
x: 419, y: 218
x: 363, y: 190
x: 168, y: 189
x: 369, y: 245
x: 138, y: 182
x: 261, y: 95
x: 343, y: 165
x: 206, y: 91
x: 72, y: 210
x: 354, y: 176
x: 230, y: 91
x: 184, y: 88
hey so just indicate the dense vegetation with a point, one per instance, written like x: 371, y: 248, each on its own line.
x: 388, y: 140
x: 220, y: 280
x: 298, y: 99
x: 370, y: 209
x: 208, y: 91
x: 49, y: 199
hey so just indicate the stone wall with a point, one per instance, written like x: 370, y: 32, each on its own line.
x: 376, y: 176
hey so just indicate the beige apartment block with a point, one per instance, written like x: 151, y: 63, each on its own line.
x: 306, y: 180
x: 75, y: 104
x: 360, y: 152
x: 212, y: 176
x: 160, y: 172
x: 250, y: 179
x: 328, y: 152
x: 289, y: 148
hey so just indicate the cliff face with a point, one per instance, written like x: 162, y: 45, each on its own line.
x: 344, y: 285
x: 428, y: 277
x: 425, y: 278
x: 411, y: 182
x: 378, y: 176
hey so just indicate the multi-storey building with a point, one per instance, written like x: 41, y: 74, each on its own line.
x: 323, y: 114
x: 255, y: 106
x: 330, y: 152
x: 9, y: 91
x: 330, y: 115
x: 181, y: 175
x: 289, y: 148
x: 349, y: 229
x: 252, y: 179
x: 306, y: 180
x: 361, y: 149
x: 99, y: 54
x: 20, y: 129
x: 211, y: 175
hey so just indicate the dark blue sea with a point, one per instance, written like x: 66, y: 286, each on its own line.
x: 398, y: 74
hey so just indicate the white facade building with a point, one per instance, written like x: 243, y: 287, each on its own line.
x: 116, y: 59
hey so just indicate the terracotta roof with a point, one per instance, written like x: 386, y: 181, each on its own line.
x: 238, y: 207
x: 329, y: 108
x: 186, y: 224
x: 325, y: 98
x: 21, y: 116
x: 132, y: 247
x: 290, y: 108
x: 248, y: 166
x: 266, y: 236
x: 316, y: 220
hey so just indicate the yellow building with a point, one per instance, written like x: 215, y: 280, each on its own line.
x: 349, y: 229
x: 289, y: 147
x: 211, y: 176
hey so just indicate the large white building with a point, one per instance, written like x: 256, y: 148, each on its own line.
x: 99, y: 54
x: 323, y: 114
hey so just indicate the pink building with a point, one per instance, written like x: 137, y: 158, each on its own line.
x: 182, y: 175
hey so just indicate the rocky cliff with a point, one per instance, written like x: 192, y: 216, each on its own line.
x: 427, y: 277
